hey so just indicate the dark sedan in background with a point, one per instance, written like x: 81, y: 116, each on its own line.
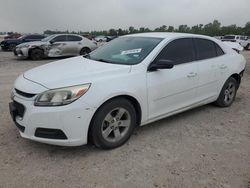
x: 10, y: 44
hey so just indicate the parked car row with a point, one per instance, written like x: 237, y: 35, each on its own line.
x: 58, y: 45
x: 12, y: 36
x: 244, y: 41
x: 10, y: 44
x: 103, y: 38
x: 37, y: 46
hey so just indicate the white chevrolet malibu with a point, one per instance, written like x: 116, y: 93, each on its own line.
x: 133, y: 80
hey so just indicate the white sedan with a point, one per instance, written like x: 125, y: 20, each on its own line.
x: 133, y: 80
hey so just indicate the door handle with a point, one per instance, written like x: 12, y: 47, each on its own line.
x: 223, y: 67
x: 192, y: 74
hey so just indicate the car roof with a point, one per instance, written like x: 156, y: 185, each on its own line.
x: 67, y: 34
x: 168, y: 35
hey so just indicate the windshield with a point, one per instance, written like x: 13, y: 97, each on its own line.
x: 22, y: 37
x: 125, y: 50
x: 48, y: 38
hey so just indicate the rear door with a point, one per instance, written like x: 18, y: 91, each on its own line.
x: 59, y: 45
x: 170, y: 90
x: 74, y: 44
x: 209, y: 58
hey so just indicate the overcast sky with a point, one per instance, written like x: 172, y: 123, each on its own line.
x: 39, y: 15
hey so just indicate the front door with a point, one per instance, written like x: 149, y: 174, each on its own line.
x: 172, y: 89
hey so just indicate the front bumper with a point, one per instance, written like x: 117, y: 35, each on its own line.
x: 71, y: 120
x: 21, y: 52
x: 3, y: 46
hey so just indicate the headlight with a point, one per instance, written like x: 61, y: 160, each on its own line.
x: 24, y: 46
x: 62, y: 96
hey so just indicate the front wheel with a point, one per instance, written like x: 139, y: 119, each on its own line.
x: 228, y: 93
x: 36, y: 54
x: 113, y: 124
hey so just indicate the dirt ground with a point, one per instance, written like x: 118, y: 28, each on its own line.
x: 205, y: 147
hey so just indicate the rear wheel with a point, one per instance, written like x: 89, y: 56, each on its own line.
x: 113, y: 124
x: 85, y: 51
x: 36, y: 54
x: 228, y: 93
x: 12, y: 47
x: 247, y: 47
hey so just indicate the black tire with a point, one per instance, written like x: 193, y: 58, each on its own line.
x: 36, y: 54
x: 247, y: 47
x: 11, y: 47
x: 99, y: 123
x: 228, y: 93
x: 85, y: 51
x: 4, y: 49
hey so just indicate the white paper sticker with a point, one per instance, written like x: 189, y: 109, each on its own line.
x: 133, y: 51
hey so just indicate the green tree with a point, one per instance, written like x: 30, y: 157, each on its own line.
x: 247, y: 29
x: 170, y: 29
x: 112, y: 32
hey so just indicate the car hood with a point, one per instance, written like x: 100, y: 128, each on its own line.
x: 73, y: 71
x: 35, y: 43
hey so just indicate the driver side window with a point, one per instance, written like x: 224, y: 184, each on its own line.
x: 178, y: 51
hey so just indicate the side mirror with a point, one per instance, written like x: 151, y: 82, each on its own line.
x: 161, y: 64
x: 52, y: 42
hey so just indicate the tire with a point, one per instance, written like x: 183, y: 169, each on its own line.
x: 247, y: 47
x: 85, y: 51
x: 113, y: 124
x: 228, y: 93
x: 11, y: 47
x: 36, y: 54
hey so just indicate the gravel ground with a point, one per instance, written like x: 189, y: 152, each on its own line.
x: 204, y: 147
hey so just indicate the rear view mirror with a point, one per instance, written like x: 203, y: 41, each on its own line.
x: 161, y: 64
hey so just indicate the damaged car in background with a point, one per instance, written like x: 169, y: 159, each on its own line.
x: 57, y: 45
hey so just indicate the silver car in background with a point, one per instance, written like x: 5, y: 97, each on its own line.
x: 57, y: 45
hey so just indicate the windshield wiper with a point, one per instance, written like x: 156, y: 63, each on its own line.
x: 86, y: 56
x: 103, y: 60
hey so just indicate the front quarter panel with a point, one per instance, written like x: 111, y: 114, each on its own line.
x: 131, y: 84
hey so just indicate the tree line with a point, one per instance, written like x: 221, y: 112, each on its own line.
x: 214, y: 28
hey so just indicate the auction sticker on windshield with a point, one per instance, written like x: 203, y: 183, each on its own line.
x: 133, y: 51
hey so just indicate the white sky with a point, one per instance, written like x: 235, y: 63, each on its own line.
x: 39, y: 15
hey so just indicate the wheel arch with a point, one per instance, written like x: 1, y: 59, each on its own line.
x: 85, y: 47
x: 237, y: 77
x: 131, y: 99
x: 36, y: 47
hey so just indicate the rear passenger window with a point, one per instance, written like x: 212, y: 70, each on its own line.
x: 205, y: 49
x: 219, y: 51
x: 74, y: 38
x: 178, y: 51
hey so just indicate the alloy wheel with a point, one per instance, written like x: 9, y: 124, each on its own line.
x: 116, y: 124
